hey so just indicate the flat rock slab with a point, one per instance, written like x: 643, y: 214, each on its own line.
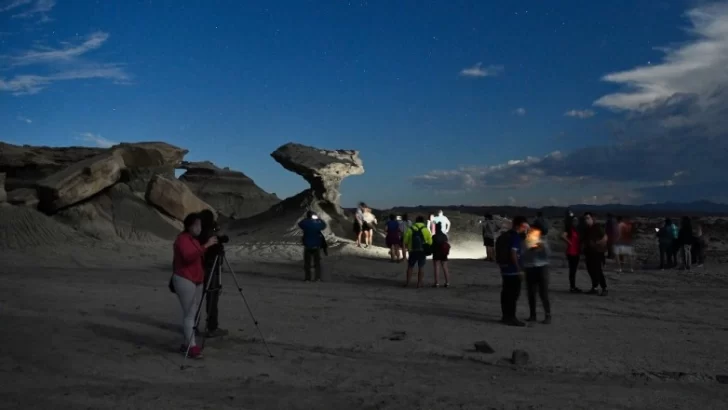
x: 173, y: 197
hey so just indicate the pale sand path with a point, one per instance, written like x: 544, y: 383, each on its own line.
x: 97, y: 328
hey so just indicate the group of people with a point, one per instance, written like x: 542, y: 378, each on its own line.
x: 686, y: 241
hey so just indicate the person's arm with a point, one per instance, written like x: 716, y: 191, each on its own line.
x: 515, y: 246
x: 323, y: 224
x: 302, y: 224
x: 188, y: 249
x: 428, y: 236
x: 565, y: 237
x: 447, y: 222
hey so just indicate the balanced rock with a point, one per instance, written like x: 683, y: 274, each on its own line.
x: 173, y: 197
x: 143, y: 160
x: 79, y: 181
x: 323, y: 169
x: 3, y: 194
x: 231, y: 193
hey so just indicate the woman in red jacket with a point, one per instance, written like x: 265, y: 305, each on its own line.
x: 573, y: 250
x: 189, y: 277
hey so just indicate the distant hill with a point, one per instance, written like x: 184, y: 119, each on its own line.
x: 697, y: 208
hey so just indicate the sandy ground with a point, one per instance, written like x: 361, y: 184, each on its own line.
x: 88, y: 327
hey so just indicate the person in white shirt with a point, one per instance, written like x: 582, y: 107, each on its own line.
x: 443, y: 221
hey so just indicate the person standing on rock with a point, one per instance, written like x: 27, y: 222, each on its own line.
x: 188, y: 279
x: 418, y: 241
x: 212, y: 274
x: 369, y: 222
x: 313, y: 240
x: 359, y: 223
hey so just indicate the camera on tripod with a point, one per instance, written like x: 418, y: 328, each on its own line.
x: 221, y: 239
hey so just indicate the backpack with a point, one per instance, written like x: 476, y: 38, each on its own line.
x: 445, y: 248
x: 418, y: 241
x: 503, y: 248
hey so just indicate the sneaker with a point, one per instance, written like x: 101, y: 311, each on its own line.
x: 604, y: 292
x: 436, y: 285
x: 217, y: 332
x: 575, y: 290
x: 547, y: 320
x: 514, y: 322
x: 447, y: 285
x: 593, y: 291
x: 195, y: 352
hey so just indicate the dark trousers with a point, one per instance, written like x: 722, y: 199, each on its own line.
x: 595, y: 267
x: 667, y: 256
x: 698, y: 252
x: 510, y: 293
x: 312, y: 255
x: 573, y: 267
x: 537, y: 281
x: 212, y: 298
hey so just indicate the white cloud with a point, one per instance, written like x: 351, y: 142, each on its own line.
x: 696, y: 67
x: 478, y: 71
x: 96, y: 139
x: 583, y: 114
x: 63, y: 63
x: 520, y: 111
x: 24, y: 119
x: 26, y: 9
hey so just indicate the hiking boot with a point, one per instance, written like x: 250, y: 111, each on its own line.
x: 604, y: 292
x: 547, y: 320
x: 593, y: 291
x: 575, y: 290
x: 217, y: 332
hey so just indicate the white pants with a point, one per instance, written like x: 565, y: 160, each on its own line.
x: 189, y: 296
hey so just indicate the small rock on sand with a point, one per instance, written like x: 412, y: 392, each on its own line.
x: 520, y: 357
x: 483, y: 347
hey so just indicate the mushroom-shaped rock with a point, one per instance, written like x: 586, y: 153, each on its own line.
x: 231, y: 193
x: 173, y: 197
x: 323, y: 169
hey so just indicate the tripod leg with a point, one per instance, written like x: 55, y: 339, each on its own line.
x: 240, y: 290
x: 198, y: 312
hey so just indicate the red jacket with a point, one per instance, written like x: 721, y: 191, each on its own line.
x: 188, y: 255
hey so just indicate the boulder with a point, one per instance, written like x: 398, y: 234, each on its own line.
x: 3, y: 194
x: 24, y: 197
x: 323, y: 169
x: 25, y: 164
x: 231, y: 193
x: 79, y: 181
x: 143, y: 160
x: 483, y: 347
x: 173, y: 197
x: 520, y: 357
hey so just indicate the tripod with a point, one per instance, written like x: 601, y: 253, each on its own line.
x: 218, y: 264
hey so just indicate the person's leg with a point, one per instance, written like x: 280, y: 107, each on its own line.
x: 517, y: 285
x: 663, y: 254
x: 543, y: 291
x: 590, y: 261
x: 316, y: 256
x: 688, y: 251
x: 505, y: 315
x: 411, y: 261
x: 422, y: 259
x: 531, y: 286
x: 573, y: 266
x: 307, y: 264
x: 602, y: 279
x: 434, y: 271
x: 188, y: 298
x: 446, y: 272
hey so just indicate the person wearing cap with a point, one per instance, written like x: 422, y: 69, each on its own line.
x: 313, y: 241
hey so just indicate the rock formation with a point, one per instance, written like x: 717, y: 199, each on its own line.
x: 24, y: 197
x: 173, y: 197
x: 323, y: 169
x: 231, y: 193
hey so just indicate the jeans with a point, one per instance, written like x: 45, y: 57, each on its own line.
x: 312, y: 255
x: 595, y: 267
x: 510, y: 293
x: 537, y: 281
x: 573, y: 267
x: 667, y: 256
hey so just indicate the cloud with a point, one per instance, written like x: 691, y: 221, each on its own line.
x: 95, y: 139
x: 24, y: 119
x: 63, y: 63
x: 583, y: 114
x: 520, y: 111
x: 26, y: 9
x: 478, y: 71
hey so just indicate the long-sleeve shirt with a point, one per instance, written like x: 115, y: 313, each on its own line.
x: 187, y: 259
x: 312, y: 231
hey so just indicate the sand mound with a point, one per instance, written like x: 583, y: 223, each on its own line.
x: 22, y: 227
x: 120, y: 214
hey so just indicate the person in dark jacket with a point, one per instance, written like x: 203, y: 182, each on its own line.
x: 440, y: 252
x: 666, y: 242
x: 212, y: 273
x: 313, y: 241
x: 685, y: 242
x: 595, y: 245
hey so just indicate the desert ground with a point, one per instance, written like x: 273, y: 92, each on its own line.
x: 88, y: 322
x: 96, y: 327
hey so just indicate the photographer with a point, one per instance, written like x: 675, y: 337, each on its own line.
x: 313, y: 243
x: 209, y: 230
